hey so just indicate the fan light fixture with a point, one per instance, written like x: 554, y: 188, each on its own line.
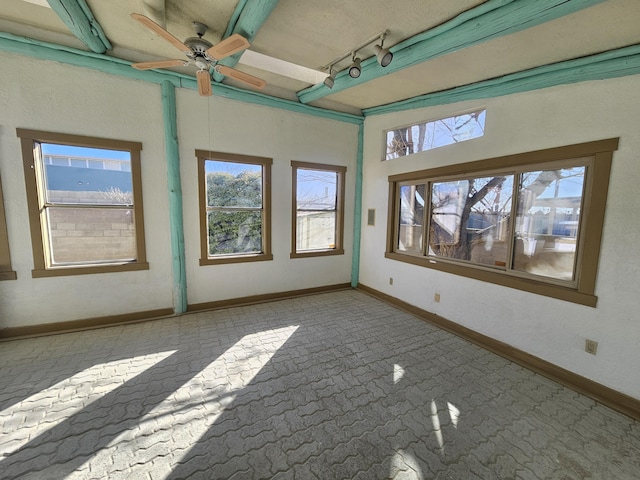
x: 330, y: 80
x: 355, y: 69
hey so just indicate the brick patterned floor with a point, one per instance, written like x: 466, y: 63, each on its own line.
x: 331, y: 386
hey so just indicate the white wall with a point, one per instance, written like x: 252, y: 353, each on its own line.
x: 224, y: 125
x: 551, y: 329
x: 49, y: 96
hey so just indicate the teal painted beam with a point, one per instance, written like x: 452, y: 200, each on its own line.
x: 488, y: 21
x: 357, y: 214
x: 81, y: 58
x: 175, y: 197
x: 246, y: 20
x: 234, y: 18
x: 610, y: 64
x: 256, y: 98
x: 77, y: 15
x: 107, y: 64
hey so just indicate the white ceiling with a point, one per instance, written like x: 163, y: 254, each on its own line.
x: 311, y: 33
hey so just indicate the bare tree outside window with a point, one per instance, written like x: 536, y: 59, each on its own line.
x: 438, y: 133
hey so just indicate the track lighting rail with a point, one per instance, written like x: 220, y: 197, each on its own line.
x: 380, y: 36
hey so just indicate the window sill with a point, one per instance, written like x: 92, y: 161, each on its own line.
x: 8, y: 275
x: 89, y: 269
x: 260, y: 257
x: 500, y: 278
x: 317, y: 253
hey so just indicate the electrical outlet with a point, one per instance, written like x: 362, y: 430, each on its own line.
x: 436, y: 298
x: 390, y: 280
x: 590, y: 346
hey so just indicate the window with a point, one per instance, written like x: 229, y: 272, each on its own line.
x: 83, y: 220
x: 235, y: 207
x: 6, y: 273
x: 424, y: 136
x: 531, y: 221
x: 318, y: 204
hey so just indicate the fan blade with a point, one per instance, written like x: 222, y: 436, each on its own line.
x: 160, y: 64
x: 154, y: 27
x: 241, y: 76
x: 204, y: 83
x: 228, y: 46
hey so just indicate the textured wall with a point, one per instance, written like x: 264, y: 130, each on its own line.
x: 548, y: 328
x: 223, y: 125
x: 83, y: 102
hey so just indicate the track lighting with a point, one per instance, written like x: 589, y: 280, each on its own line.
x: 383, y: 55
x: 355, y: 69
x: 329, y: 81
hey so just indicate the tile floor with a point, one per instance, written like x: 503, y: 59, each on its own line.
x: 331, y: 386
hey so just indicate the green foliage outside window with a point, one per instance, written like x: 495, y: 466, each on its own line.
x: 235, y: 212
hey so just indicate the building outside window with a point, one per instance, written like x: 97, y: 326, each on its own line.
x: 84, y: 219
x: 317, y: 212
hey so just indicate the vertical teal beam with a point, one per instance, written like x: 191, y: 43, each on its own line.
x: 357, y: 214
x: 175, y: 197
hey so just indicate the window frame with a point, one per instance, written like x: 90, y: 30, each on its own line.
x: 38, y: 225
x: 340, y: 172
x: 385, y: 133
x: 6, y: 272
x: 592, y: 221
x: 266, y: 164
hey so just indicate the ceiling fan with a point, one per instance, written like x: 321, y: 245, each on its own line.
x: 202, y: 54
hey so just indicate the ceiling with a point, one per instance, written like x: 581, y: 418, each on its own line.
x: 312, y: 34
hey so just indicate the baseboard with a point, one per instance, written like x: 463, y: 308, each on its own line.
x: 267, y: 297
x: 605, y: 395
x: 14, y: 333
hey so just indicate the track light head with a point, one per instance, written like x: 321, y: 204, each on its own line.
x: 383, y: 55
x: 355, y: 69
x: 330, y: 80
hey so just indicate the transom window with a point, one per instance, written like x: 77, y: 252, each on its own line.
x: 84, y: 219
x: 235, y: 213
x: 410, y: 139
x: 532, y: 221
x: 317, y: 215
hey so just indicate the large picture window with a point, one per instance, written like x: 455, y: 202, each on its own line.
x: 317, y: 215
x: 85, y: 203
x: 235, y: 212
x: 6, y: 273
x: 530, y: 221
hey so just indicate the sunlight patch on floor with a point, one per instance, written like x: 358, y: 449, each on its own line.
x: 454, y: 414
x: 49, y: 407
x: 405, y: 462
x: 188, y: 413
x: 398, y: 373
x: 435, y: 420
